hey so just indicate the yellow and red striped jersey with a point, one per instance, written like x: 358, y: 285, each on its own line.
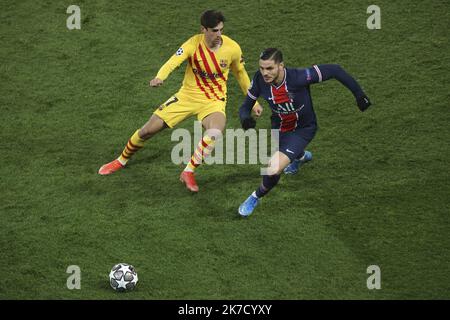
x: 207, y: 71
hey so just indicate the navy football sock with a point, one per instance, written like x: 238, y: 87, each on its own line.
x: 268, y: 183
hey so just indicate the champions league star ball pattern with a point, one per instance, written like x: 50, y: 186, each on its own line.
x: 123, y: 277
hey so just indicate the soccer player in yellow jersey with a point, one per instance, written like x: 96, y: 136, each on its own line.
x: 210, y: 55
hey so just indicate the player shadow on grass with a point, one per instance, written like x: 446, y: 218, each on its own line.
x: 146, y: 160
x: 217, y: 197
x: 104, y: 286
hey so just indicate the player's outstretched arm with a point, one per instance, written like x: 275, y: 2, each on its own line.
x: 173, y: 63
x: 335, y: 71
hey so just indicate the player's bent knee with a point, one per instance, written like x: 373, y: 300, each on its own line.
x: 153, y: 126
x: 272, y: 171
x: 214, y: 134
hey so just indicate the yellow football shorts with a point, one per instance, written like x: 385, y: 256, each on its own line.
x: 181, y: 106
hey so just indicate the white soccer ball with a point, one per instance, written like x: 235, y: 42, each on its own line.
x: 123, y: 277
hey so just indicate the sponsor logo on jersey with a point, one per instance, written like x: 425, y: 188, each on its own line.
x: 206, y: 75
x: 308, y: 75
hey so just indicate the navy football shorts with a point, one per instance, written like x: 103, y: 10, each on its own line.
x: 293, y: 143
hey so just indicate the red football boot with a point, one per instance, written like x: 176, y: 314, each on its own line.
x: 111, y: 167
x: 188, y: 178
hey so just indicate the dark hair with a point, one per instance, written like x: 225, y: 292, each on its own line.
x: 211, y: 18
x: 272, y: 54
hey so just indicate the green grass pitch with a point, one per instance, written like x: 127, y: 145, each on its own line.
x: 376, y: 193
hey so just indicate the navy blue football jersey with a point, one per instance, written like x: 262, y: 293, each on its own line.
x: 291, y: 103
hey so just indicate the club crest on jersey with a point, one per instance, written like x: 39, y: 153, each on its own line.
x: 179, y: 52
x: 223, y: 63
x: 308, y: 75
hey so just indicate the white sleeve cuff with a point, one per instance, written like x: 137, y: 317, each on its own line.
x: 251, y: 96
x: 318, y: 72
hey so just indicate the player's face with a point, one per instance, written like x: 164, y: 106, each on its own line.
x: 213, y: 36
x: 272, y: 72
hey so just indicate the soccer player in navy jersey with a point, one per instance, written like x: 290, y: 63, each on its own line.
x: 288, y: 94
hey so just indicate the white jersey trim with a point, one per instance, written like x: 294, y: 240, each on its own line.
x: 251, y: 96
x: 318, y: 72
